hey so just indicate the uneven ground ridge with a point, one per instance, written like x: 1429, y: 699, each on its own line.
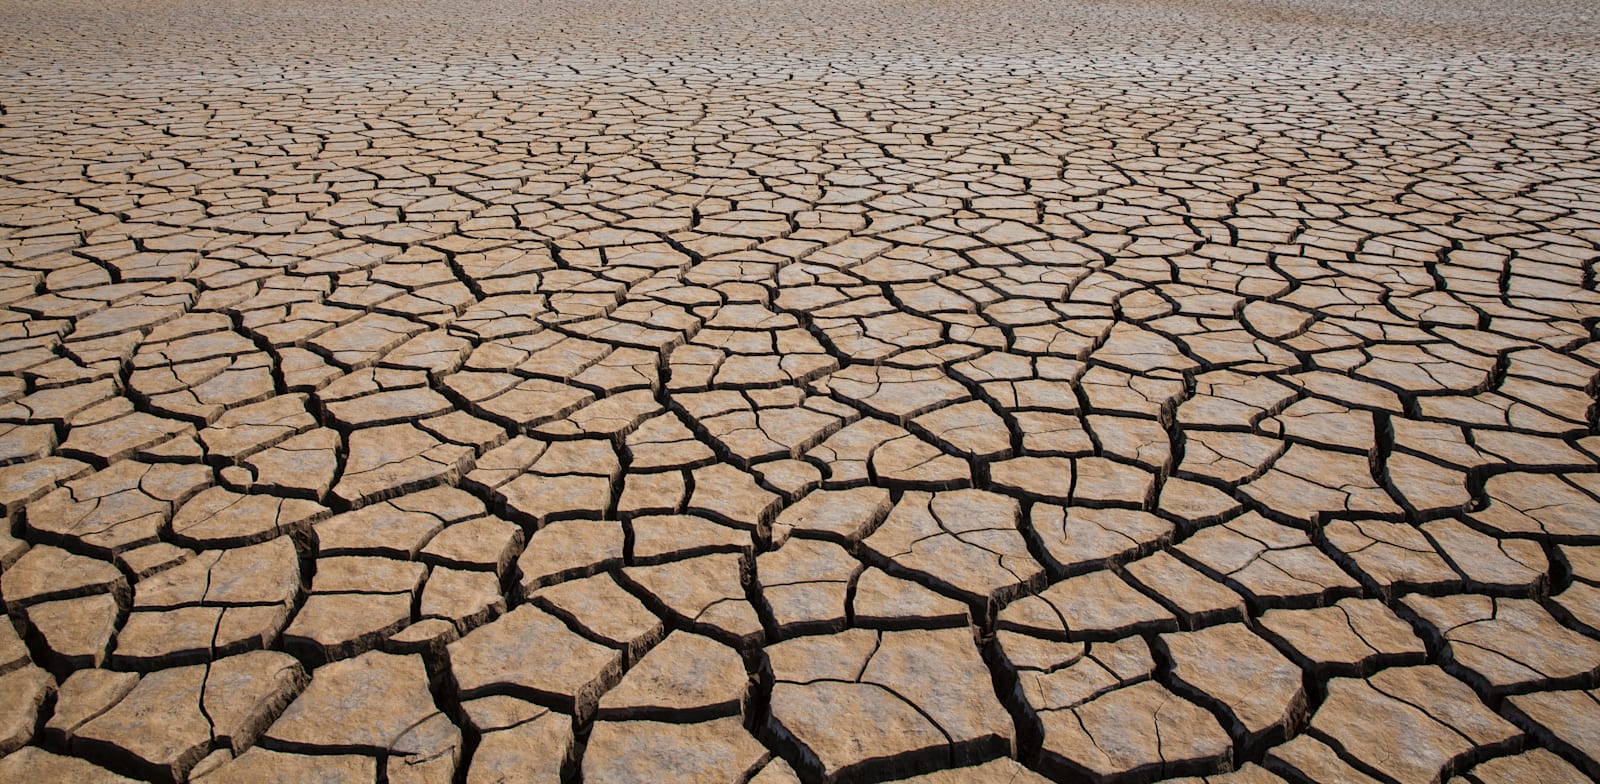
x: 838, y: 391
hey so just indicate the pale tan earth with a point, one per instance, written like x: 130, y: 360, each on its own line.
x: 716, y: 391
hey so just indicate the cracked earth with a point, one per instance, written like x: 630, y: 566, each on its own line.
x: 950, y: 392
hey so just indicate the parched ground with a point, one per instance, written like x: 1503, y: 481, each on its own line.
x: 732, y: 391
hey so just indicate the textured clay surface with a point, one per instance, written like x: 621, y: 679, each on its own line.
x: 950, y: 391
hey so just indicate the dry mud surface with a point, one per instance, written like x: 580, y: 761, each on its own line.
x: 956, y: 392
